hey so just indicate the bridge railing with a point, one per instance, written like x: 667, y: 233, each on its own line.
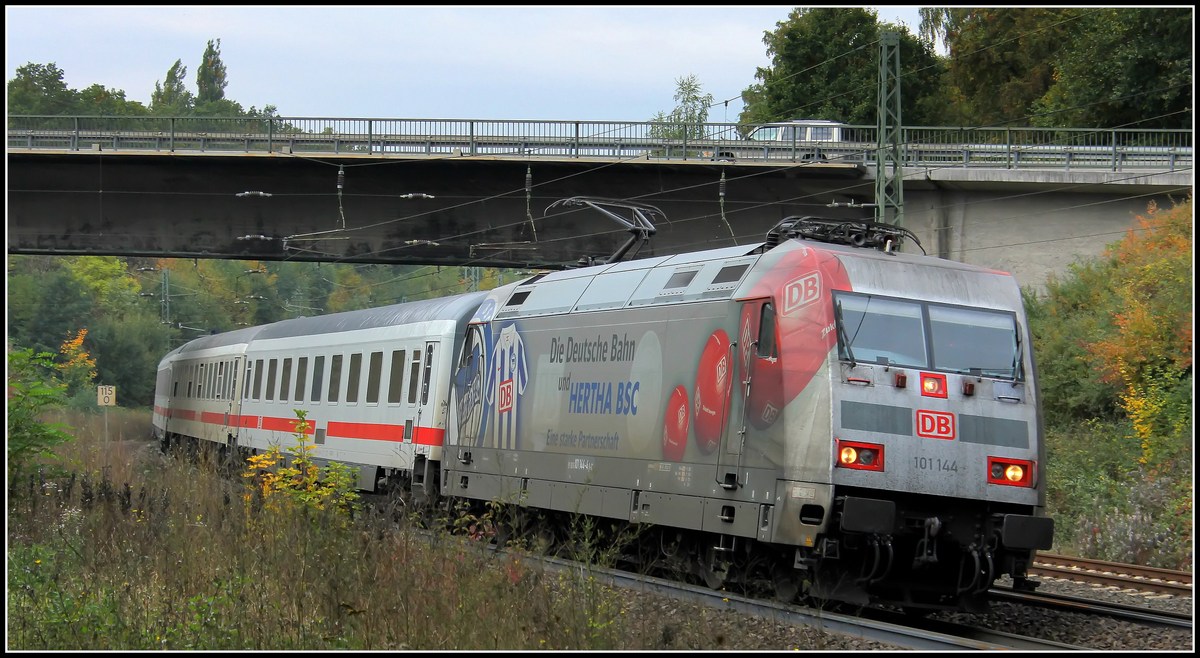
x: 931, y: 146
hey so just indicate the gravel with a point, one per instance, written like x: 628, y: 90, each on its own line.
x: 688, y: 626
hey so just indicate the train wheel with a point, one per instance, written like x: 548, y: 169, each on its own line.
x: 712, y: 568
x: 787, y: 582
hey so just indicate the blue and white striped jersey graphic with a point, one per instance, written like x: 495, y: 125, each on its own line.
x: 505, y: 386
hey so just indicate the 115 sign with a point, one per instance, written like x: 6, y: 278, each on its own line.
x: 106, y: 396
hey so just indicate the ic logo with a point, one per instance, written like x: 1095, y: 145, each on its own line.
x: 935, y: 424
x: 801, y: 292
x: 505, y: 396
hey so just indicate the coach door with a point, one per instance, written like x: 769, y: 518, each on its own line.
x: 420, y: 413
x: 231, y: 391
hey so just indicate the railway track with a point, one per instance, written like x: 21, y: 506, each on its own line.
x: 1109, y: 574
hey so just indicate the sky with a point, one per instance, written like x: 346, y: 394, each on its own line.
x: 594, y: 63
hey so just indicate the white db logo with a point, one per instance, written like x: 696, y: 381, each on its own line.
x: 801, y: 292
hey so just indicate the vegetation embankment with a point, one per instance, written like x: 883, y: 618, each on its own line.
x: 114, y: 546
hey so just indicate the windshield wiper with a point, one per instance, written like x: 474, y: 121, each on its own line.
x: 1016, y: 364
x: 841, y: 329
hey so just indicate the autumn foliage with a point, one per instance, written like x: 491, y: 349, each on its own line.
x: 1148, y: 351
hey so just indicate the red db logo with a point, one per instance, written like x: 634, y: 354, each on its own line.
x: 935, y: 424
x: 506, y: 396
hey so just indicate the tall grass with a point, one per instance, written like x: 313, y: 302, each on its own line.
x: 1106, y: 505
x: 120, y: 547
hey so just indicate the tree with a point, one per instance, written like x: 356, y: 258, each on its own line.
x: 40, y: 89
x: 210, y: 77
x: 825, y: 65
x: 1148, y: 349
x: 1124, y: 67
x: 103, y: 101
x: 172, y: 98
x: 690, y: 113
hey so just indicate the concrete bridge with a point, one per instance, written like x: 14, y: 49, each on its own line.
x: 481, y: 198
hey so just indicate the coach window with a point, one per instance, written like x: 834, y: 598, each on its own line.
x: 301, y: 377
x: 249, y: 372
x: 285, y: 381
x: 428, y: 372
x: 220, y: 389
x: 318, y: 378
x: 335, y: 377
x: 212, y: 381
x: 355, y: 375
x: 396, y: 377
x: 200, y: 383
x: 414, y: 376
x: 271, y: 368
x: 373, y: 374
x: 258, y: 371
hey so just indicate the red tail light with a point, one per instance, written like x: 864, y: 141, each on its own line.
x: 1010, y: 472
x: 859, y: 455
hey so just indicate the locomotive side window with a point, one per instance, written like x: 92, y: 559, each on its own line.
x: 335, y: 377
x: 318, y: 378
x: 373, y: 373
x: 973, y: 341
x: 396, y: 381
x: 766, y: 332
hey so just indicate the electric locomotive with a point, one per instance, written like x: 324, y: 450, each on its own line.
x: 819, y: 412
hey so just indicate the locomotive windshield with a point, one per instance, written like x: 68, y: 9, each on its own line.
x: 969, y: 341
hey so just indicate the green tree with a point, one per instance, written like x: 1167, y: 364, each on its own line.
x: 33, y: 388
x: 1123, y: 67
x: 99, y: 100
x: 825, y: 64
x: 171, y: 97
x: 210, y: 77
x: 40, y: 89
x: 48, y: 306
x: 690, y: 113
x: 127, y: 352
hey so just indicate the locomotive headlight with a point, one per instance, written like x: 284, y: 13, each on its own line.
x: 1010, y: 472
x: 859, y: 455
x: 932, y: 385
x: 849, y: 455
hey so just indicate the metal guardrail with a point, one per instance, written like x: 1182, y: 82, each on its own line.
x: 1005, y: 148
